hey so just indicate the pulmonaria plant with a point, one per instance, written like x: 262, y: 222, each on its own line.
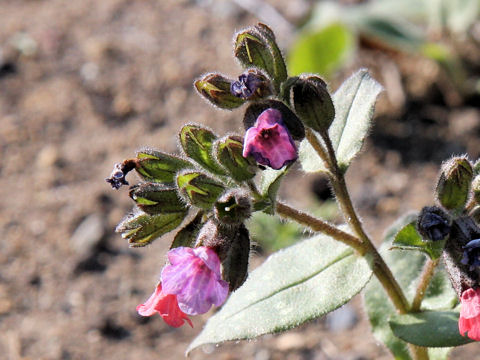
x: 208, y: 191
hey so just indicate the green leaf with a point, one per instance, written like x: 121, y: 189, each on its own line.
x: 311, y: 162
x: 188, y: 234
x: 354, y: 106
x: 269, y: 186
x: 440, y: 294
x: 158, y: 166
x: 408, y: 238
x: 406, y: 268
x: 321, y: 52
x: 197, y: 143
x: 141, y: 229
x: 429, y: 328
x: 274, y: 299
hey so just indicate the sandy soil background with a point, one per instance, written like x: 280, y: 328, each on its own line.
x: 83, y: 84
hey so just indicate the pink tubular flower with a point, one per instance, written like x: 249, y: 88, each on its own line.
x: 470, y: 314
x: 166, y: 306
x: 269, y: 141
x: 194, y: 277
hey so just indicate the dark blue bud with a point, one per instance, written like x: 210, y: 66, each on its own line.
x: 433, y: 224
x: 471, y: 254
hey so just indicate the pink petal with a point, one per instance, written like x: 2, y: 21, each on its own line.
x: 195, y: 280
x: 166, y: 306
x: 148, y: 308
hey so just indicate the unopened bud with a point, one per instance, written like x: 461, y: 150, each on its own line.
x: 256, y: 47
x: 156, y: 199
x: 312, y: 102
x: 233, y: 207
x: 228, y: 151
x: 216, y: 89
x: 454, y: 183
x: 197, y: 143
x: 235, y: 265
x: 251, y: 85
x: 157, y: 166
x: 433, y: 224
x: 199, y: 189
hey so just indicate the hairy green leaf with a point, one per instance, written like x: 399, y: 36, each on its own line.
x: 429, y: 328
x: 354, y: 106
x: 274, y: 299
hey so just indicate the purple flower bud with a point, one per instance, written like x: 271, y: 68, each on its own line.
x: 433, y: 223
x: 194, y: 276
x: 269, y: 141
x: 471, y: 254
x: 250, y: 85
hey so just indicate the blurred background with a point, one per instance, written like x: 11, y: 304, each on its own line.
x: 83, y: 84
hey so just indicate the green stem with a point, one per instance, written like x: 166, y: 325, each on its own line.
x: 428, y: 271
x: 319, y: 226
x: 380, y: 268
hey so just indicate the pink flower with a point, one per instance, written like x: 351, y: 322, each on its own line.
x: 194, y: 277
x: 269, y: 141
x: 166, y: 306
x: 470, y: 314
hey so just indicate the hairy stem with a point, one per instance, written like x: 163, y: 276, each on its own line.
x: 318, y: 147
x: 381, y: 270
x: 319, y: 226
x: 428, y: 271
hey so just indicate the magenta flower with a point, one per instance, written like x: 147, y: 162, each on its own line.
x: 166, y: 306
x: 194, y: 277
x: 269, y: 141
x: 469, y: 321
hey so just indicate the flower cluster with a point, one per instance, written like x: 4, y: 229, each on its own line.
x: 189, y: 285
x: 213, y: 178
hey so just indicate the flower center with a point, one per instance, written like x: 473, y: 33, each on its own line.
x: 266, y: 133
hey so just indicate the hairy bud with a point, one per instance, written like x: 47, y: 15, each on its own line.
x: 228, y: 151
x: 256, y: 46
x: 199, y: 189
x: 251, y: 85
x: 454, y: 183
x: 216, y: 89
x: 433, y: 223
x: 312, y: 102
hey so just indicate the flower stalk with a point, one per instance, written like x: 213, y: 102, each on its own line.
x: 426, y: 277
